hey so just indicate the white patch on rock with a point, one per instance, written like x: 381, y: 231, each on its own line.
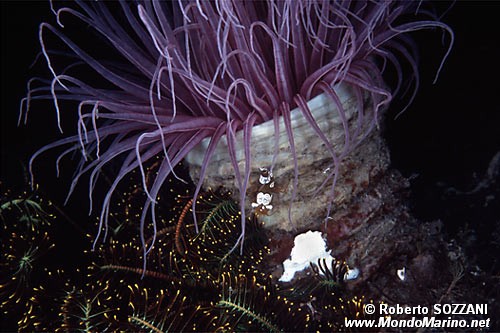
x: 308, y: 247
x: 401, y: 273
x: 351, y: 274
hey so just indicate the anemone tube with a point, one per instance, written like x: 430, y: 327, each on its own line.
x: 179, y: 73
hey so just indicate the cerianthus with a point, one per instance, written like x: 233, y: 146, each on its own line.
x: 187, y: 71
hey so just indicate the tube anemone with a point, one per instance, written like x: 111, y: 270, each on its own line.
x: 187, y: 71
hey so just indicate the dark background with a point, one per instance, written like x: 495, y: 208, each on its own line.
x: 445, y: 139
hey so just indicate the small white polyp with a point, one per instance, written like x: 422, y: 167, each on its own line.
x: 351, y: 274
x: 308, y: 247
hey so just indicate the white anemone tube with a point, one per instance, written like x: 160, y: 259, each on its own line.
x: 346, y: 161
